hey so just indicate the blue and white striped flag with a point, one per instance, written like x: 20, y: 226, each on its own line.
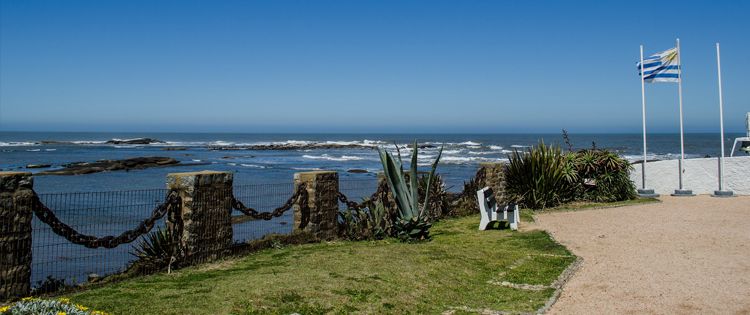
x: 661, y: 67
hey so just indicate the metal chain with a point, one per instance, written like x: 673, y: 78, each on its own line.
x: 299, y: 195
x: 351, y: 204
x: 47, y: 216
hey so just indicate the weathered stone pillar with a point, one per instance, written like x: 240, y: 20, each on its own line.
x: 16, y: 190
x: 203, y: 225
x: 322, y: 203
x: 493, y: 175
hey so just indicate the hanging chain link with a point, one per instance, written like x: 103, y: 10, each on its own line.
x: 351, y: 204
x: 47, y: 216
x: 299, y: 196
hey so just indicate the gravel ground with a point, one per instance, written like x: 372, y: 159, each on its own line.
x: 684, y: 255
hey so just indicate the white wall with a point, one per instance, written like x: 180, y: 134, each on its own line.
x: 701, y: 175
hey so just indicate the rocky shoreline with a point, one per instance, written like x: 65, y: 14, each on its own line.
x: 81, y: 168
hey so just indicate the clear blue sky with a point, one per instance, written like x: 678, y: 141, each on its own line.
x: 364, y: 66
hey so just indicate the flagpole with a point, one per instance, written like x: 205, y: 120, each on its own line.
x: 643, y: 192
x: 721, y: 192
x: 681, y: 191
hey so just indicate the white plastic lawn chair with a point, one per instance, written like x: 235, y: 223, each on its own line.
x: 490, y: 211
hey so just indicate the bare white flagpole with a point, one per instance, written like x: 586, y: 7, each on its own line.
x: 681, y: 191
x: 643, y: 108
x: 721, y: 191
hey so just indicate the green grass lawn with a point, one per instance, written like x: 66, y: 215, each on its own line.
x: 461, y: 268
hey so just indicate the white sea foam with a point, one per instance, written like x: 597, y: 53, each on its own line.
x: 18, y: 144
x: 50, y: 150
x: 496, y: 147
x: 307, y: 168
x: 481, y: 152
x: 333, y: 158
x: 519, y: 146
x: 197, y: 160
x: 465, y: 159
x: 452, y: 151
x: 33, y: 150
x: 253, y: 165
x: 220, y: 143
x: 470, y: 143
x: 88, y: 142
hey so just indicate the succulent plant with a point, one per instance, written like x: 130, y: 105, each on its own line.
x: 413, y: 221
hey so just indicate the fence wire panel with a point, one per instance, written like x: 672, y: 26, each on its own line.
x: 357, y: 189
x: 264, y: 198
x: 92, y: 213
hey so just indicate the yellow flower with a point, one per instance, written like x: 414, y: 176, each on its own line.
x: 61, y: 313
x: 64, y: 300
x: 81, y: 307
x: 99, y: 313
x: 28, y: 298
x: 4, y: 308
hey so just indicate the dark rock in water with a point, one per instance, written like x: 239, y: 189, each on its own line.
x: 38, y: 166
x: 357, y: 171
x: 80, y: 168
x: 174, y: 149
x: 134, y: 141
x: 227, y: 157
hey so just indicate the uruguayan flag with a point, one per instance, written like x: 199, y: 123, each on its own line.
x: 661, y: 67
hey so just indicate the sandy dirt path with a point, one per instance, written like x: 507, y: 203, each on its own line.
x: 684, y: 255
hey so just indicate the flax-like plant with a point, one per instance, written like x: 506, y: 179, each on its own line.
x: 413, y: 223
x: 154, y: 251
x: 540, y: 177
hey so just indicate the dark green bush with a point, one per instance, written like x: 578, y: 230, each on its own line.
x: 544, y: 177
x: 539, y: 178
x: 603, y: 176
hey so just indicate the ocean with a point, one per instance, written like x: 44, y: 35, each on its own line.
x: 340, y: 152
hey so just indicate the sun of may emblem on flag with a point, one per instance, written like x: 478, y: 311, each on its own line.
x: 661, y: 67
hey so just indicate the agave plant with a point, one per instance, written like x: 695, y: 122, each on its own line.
x: 413, y: 223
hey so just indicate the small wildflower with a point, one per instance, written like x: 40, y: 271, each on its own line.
x: 61, y: 313
x: 64, y: 300
x: 81, y: 307
x: 28, y: 299
x: 4, y: 308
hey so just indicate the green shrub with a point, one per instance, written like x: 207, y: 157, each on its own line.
x: 539, y: 177
x: 440, y: 200
x: 603, y: 176
x: 154, y: 251
x: 372, y: 222
x: 545, y: 177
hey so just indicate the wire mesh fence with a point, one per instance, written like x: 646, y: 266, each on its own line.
x: 357, y: 189
x: 92, y: 213
x: 55, y: 258
x: 263, y: 197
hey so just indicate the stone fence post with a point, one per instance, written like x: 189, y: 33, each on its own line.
x: 322, y: 203
x: 493, y: 175
x: 202, y: 226
x: 16, y: 191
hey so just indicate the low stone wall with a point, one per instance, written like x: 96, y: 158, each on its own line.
x: 701, y: 175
